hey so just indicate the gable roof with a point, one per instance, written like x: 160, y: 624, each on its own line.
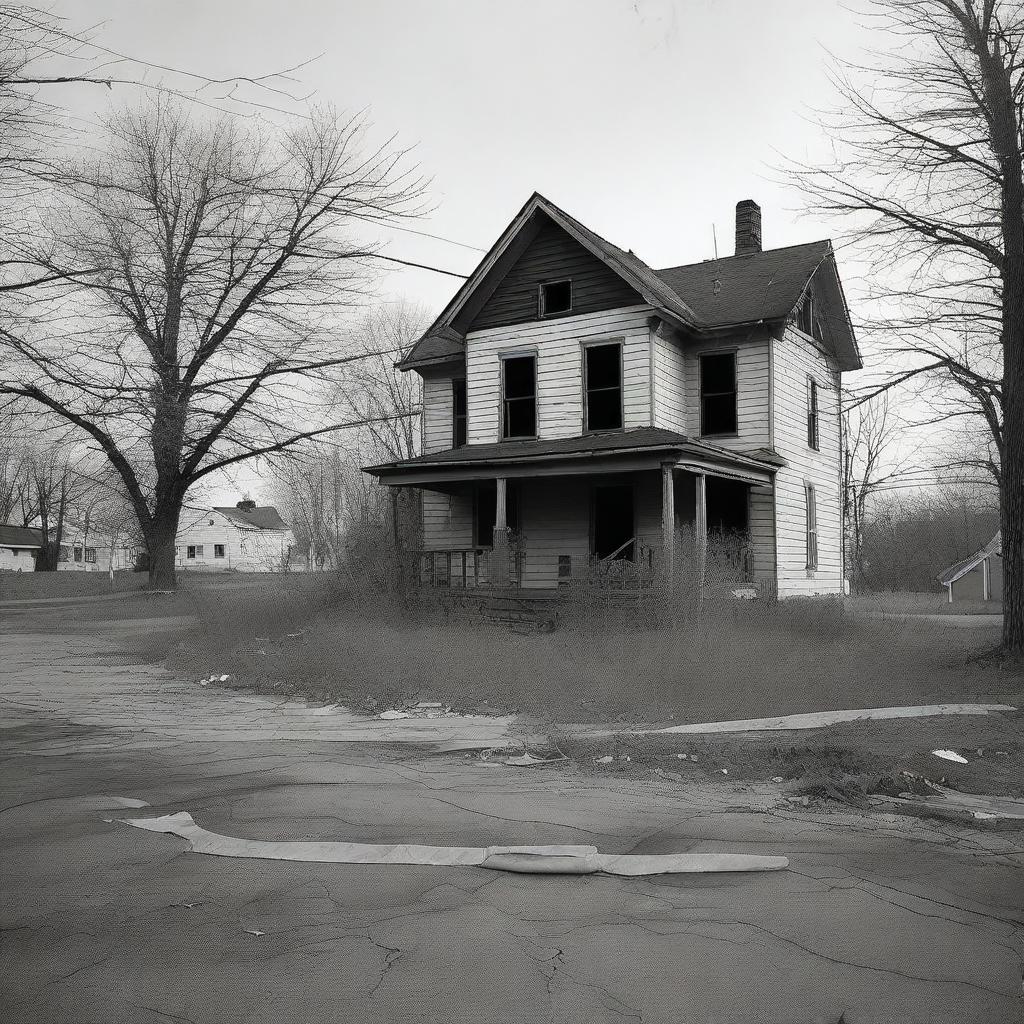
x: 263, y: 517
x: 697, y: 297
x: 955, y: 572
x: 20, y: 536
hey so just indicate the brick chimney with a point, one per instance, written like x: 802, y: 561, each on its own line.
x: 748, y: 227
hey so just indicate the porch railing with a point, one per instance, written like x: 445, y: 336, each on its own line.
x: 465, y: 568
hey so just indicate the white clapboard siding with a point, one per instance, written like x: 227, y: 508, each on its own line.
x: 794, y: 359
x: 761, y: 526
x: 447, y: 520
x: 753, y: 396
x: 558, y: 347
x: 437, y: 423
x: 669, y: 389
x: 244, y: 550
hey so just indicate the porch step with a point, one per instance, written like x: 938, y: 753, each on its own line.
x: 520, y: 613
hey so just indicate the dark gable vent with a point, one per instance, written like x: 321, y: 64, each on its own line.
x: 748, y: 227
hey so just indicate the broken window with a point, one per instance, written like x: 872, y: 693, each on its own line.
x: 555, y: 297
x: 603, y: 382
x: 519, y: 396
x: 812, y: 413
x: 718, y: 393
x: 812, y: 527
x: 458, y: 413
x: 218, y: 550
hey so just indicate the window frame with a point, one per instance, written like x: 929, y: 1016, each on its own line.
x: 806, y: 315
x: 190, y: 552
x: 542, y: 312
x: 813, y: 415
x: 464, y: 417
x: 811, y: 525
x: 712, y: 353
x: 90, y: 555
x: 585, y: 348
x: 503, y: 409
x: 78, y: 554
x: 219, y: 550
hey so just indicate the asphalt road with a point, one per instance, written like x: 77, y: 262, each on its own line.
x: 879, y: 918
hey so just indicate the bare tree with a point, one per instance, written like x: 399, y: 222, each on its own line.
x: 223, y: 259
x: 930, y: 173
x: 870, y: 432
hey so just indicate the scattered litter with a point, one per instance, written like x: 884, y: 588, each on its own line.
x: 203, y: 682
x: 292, y: 636
x: 950, y: 755
x: 802, y: 800
x: 965, y: 808
x: 607, y: 759
x: 625, y: 757
x: 980, y: 752
x: 778, y: 778
x: 527, y: 760
x: 674, y: 776
x: 565, y: 859
x: 682, y: 757
x: 745, y: 593
x: 429, y: 704
x: 254, y: 931
x: 327, y: 709
x: 1003, y: 753
x: 724, y: 771
x: 224, y: 679
x: 390, y: 716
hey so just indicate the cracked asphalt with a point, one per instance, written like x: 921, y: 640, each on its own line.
x: 880, y: 918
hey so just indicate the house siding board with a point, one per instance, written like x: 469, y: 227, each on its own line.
x: 245, y: 550
x: 794, y: 359
x: 553, y: 255
x: 18, y: 559
x: 447, y: 520
x: 558, y: 346
x: 753, y: 397
x: 436, y: 422
x: 669, y: 389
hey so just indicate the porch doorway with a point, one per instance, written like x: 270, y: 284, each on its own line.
x: 613, y: 518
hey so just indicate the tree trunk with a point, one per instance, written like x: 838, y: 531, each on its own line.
x: 160, y: 545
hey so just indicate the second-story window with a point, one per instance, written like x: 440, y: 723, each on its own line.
x: 602, y: 381
x: 519, y: 397
x: 812, y: 526
x: 458, y: 413
x: 555, y: 297
x: 812, y: 413
x: 718, y: 393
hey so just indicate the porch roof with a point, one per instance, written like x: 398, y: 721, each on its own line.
x: 608, y: 451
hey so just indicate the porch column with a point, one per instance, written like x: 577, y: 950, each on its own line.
x: 668, y: 521
x: 500, y: 547
x: 701, y: 530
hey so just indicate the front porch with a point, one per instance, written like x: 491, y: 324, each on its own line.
x: 630, y: 509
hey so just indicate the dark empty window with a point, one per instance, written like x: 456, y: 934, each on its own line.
x: 78, y: 554
x: 603, y: 382
x: 718, y: 393
x: 812, y: 413
x: 555, y: 297
x: 519, y: 397
x: 90, y: 554
x: 218, y: 550
x: 458, y: 413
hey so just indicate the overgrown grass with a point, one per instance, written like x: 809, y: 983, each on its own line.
x: 913, y: 603
x: 30, y: 586
x: 733, y: 660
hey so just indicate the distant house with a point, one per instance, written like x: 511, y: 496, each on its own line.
x: 87, y: 549
x: 19, y: 546
x: 978, y: 578
x: 246, y: 537
x: 581, y: 409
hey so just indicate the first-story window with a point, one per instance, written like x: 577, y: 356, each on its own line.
x: 718, y: 393
x: 812, y: 526
x: 218, y: 550
x: 194, y: 551
x: 519, y: 397
x: 78, y: 554
x: 90, y: 554
x: 812, y: 413
x: 65, y: 553
x: 458, y: 412
x: 602, y: 380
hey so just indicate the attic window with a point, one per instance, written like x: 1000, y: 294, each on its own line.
x: 805, y: 317
x: 555, y: 297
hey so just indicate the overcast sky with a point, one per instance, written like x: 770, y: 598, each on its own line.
x: 646, y: 119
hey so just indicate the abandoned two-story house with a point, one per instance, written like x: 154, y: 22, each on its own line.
x: 581, y: 408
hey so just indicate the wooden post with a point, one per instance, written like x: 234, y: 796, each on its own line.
x: 500, y: 548
x: 701, y: 527
x: 668, y: 522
